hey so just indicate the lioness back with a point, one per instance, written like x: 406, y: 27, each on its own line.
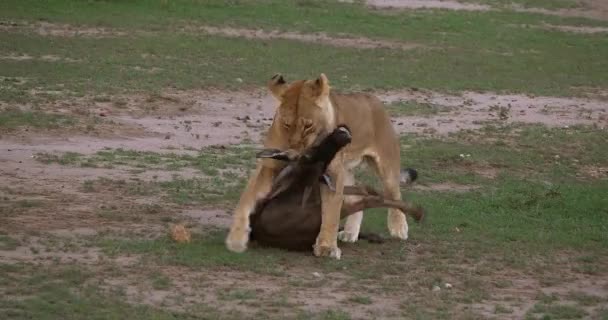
x: 369, y: 121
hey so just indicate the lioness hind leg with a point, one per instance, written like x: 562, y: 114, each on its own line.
x: 388, y: 169
x: 397, y: 224
x: 352, y: 226
x: 258, y: 186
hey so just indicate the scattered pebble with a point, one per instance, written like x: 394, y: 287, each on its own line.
x: 448, y: 285
x: 436, y: 288
x: 316, y: 275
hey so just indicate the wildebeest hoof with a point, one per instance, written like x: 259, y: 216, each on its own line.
x: 347, y: 236
x: 327, y: 251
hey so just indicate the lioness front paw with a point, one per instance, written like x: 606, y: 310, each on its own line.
x: 348, y: 236
x: 327, y: 251
x: 237, y: 239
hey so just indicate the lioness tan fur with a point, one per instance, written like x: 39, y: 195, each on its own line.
x: 307, y: 109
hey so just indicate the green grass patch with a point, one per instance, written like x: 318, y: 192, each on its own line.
x: 8, y: 243
x: 470, y: 50
x: 237, y: 294
x: 204, y: 251
x: 210, y: 161
x: 360, y: 300
x: 411, y: 108
x: 225, y: 172
x: 160, y: 281
x: 528, y: 151
x: 556, y: 312
x: 55, y: 292
x: 11, y: 119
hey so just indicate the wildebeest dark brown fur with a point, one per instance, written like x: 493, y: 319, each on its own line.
x: 290, y: 216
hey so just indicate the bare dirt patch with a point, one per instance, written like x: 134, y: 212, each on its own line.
x: 576, y: 29
x: 592, y: 9
x: 60, y: 30
x: 588, y: 8
x: 66, y: 30
x: 425, y: 4
x: 594, y: 172
x: 445, y: 186
x: 473, y: 110
x: 47, y: 58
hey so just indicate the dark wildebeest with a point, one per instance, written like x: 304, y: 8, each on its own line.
x: 290, y: 216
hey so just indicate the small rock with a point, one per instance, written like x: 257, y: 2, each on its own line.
x: 239, y: 80
x: 316, y: 275
x: 167, y: 137
x: 436, y: 288
x: 448, y: 285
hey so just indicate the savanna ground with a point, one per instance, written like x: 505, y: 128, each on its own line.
x: 118, y: 119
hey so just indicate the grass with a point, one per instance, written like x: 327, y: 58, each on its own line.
x: 530, y: 151
x: 13, y: 118
x: 160, y: 281
x: 410, y: 108
x: 56, y: 292
x: 206, y: 250
x: 471, y: 51
x: 532, y: 196
x: 225, y: 171
x: 210, y: 161
x: 557, y: 312
x: 8, y: 243
x: 237, y: 294
x: 360, y: 300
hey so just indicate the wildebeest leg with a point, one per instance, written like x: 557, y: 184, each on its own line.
x: 373, y: 201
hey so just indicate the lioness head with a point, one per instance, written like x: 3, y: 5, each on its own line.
x: 305, y: 111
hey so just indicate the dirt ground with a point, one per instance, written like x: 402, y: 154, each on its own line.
x: 183, y: 121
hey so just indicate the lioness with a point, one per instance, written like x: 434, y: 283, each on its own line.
x: 306, y: 110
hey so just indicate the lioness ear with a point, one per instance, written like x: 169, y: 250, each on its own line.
x: 321, y: 86
x: 277, y: 85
